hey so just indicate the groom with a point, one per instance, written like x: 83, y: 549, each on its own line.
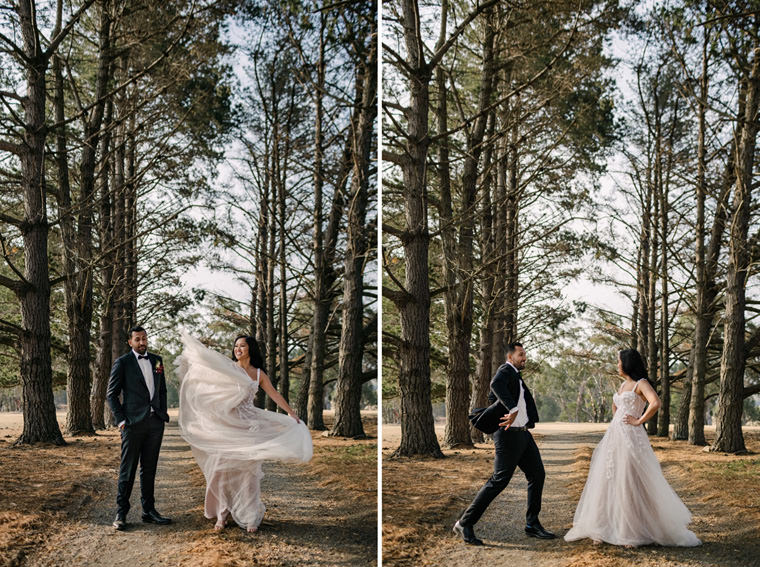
x: 138, y: 377
x: 514, y: 446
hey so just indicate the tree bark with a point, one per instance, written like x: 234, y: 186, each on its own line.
x: 40, y: 424
x: 729, y: 437
x: 120, y: 319
x: 262, y: 269
x: 78, y: 242
x: 696, y: 433
x: 459, y: 249
x: 651, y: 227
x: 417, y: 424
x: 348, y: 421
x: 483, y: 372
x: 321, y: 301
x: 273, y: 322
x: 103, y: 360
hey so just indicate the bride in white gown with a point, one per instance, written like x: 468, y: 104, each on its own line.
x: 228, y: 435
x: 626, y: 500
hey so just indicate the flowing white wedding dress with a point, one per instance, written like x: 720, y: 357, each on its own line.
x: 626, y: 500
x: 228, y: 435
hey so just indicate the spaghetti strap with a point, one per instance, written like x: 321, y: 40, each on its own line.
x: 258, y: 371
x: 636, y: 385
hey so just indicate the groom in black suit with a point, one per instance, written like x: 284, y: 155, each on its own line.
x: 514, y: 447
x: 138, y: 377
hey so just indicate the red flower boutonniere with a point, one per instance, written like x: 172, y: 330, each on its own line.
x: 159, y: 368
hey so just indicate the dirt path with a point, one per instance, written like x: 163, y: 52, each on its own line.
x: 565, y: 448
x: 305, y: 523
x: 501, y: 527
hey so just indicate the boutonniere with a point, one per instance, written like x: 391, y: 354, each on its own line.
x: 159, y: 368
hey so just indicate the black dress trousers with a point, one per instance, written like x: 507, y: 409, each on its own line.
x: 514, y: 448
x: 141, y: 443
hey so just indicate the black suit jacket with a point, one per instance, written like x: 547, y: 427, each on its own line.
x: 505, y: 387
x: 127, y: 379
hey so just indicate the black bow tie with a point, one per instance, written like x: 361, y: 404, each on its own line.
x: 140, y: 357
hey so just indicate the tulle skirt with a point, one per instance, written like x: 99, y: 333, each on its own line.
x: 626, y: 500
x: 229, y: 436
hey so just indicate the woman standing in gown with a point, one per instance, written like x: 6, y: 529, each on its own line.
x: 626, y: 500
x: 229, y: 436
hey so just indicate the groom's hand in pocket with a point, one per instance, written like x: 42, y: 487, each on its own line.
x: 507, y: 420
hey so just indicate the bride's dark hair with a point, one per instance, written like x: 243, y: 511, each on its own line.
x: 633, y: 364
x: 257, y: 361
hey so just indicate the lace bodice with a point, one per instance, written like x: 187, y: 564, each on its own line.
x: 246, y: 408
x: 628, y: 403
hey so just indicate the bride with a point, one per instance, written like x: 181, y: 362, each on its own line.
x: 229, y: 436
x: 626, y: 500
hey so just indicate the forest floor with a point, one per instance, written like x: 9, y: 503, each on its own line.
x: 422, y: 498
x: 57, y: 505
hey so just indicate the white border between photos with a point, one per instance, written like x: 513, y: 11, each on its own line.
x: 379, y: 283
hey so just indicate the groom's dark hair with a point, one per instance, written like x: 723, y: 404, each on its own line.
x: 512, y: 347
x: 135, y: 329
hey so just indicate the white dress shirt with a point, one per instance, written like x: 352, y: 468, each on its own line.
x: 522, y: 411
x: 147, y: 371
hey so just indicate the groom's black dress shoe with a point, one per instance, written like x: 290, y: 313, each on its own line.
x: 119, y: 523
x: 467, y: 533
x: 154, y: 517
x: 537, y: 530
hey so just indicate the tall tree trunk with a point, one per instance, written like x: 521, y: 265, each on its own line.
x: 413, y: 300
x: 417, y: 424
x: 512, y: 258
x: 103, y: 360
x: 272, y: 321
x: 274, y: 191
x: 483, y: 373
x: 729, y: 437
x: 500, y: 247
x: 120, y: 234
x: 663, y: 418
x: 696, y: 433
x: 458, y: 253
x: 663, y: 415
x: 321, y: 301
x: 643, y: 279
x: 652, y: 290
x: 40, y: 424
x: 284, y: 367
x: 130, y: 207
x: 262, y: 269
x: 705, y: 324
x: 348, y: 421
x: 78, y: 247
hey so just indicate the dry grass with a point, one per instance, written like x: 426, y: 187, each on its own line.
x: 45, y: 489
x: 422, y: 498
x: 44, y: 485
x: 348, y: 464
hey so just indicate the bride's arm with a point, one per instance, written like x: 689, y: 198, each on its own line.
x: 276, y: 397
x: 653, y: 399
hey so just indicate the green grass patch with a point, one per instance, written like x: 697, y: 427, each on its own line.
x: 736, y: 469
x: 360, y: 453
